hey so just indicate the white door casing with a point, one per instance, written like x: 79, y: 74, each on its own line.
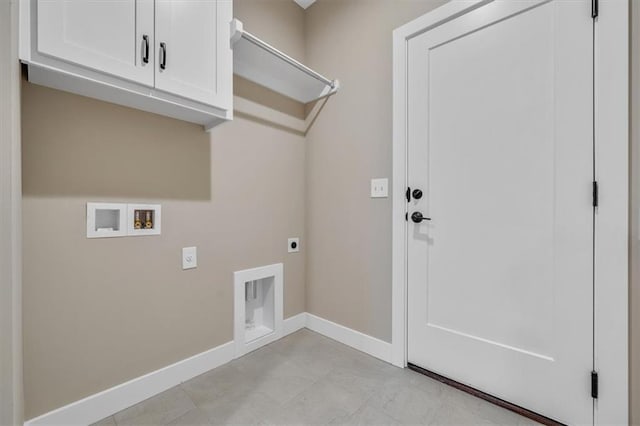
x: 103, y: 36
x: 610, y: 122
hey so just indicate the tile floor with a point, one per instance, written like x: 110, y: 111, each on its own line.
x: 306, y: 378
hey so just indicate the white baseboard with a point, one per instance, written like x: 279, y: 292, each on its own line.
x: 360, y: 341
x: 100, y: 405
x: 294, y: 323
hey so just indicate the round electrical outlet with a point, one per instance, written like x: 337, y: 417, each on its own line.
x: 293, y: 245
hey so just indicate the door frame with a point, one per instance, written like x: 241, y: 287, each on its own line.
x: 611, y: 120
x: 11, y: 394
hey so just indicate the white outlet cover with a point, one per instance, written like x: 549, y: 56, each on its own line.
x: 379, y: 188
x: 189, y: 257
x: 291, y: 242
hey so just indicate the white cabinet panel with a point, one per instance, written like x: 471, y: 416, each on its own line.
x: 104, y: 35
x: 193, y: 55
x: 97, y: 48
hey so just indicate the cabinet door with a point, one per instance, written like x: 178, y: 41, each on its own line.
x: 108, y: 36
x: 193, y: 53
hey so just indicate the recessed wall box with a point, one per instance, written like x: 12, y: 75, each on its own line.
x: 258, y: 310
x: 143, y: 219
x: 106, y: 220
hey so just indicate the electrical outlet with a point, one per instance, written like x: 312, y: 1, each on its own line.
x: 293, y: 245
x: 379, y: 188
x: 189, y: 257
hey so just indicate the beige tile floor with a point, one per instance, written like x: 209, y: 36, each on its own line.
x: 306, y: 378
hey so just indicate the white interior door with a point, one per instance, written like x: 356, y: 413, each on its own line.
x: 114, y: 37
x: 500, y: 128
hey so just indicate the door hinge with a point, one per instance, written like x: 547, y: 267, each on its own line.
x: 595, y: 194
x: 594, y: 9
x: 406, y: 217
x: 408, y: 194
x: 594, y: 384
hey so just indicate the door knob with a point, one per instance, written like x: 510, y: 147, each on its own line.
x: 417, y: 217
x: 417, y: 194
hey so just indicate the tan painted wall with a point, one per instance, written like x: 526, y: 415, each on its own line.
x: 11, y: 409
x: 100, y: 330
x: 349, y: 234
x: 100, y: 312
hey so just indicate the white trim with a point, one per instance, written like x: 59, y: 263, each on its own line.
x: 612, y: 250
x: 100, y: 405
x: 360, y: 341
x: 612, y: 140
x: 294, y: 323
x: 11, y: 400
x: 106, y: 403
x: 401, y: 36
x: 399, y: 185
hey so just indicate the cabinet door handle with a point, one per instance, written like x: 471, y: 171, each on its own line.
x: 163, y: 55
x: 145, y: 49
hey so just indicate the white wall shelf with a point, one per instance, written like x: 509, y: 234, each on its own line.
x: 263, y: 64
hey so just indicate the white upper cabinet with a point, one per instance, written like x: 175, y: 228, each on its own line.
x: 191, y: 37
x: 99, y: 35
x: 170, y: 57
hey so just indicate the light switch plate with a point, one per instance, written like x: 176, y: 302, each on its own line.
x: 189, y: 257
x: 379, y: 188
x: 293, y: 245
